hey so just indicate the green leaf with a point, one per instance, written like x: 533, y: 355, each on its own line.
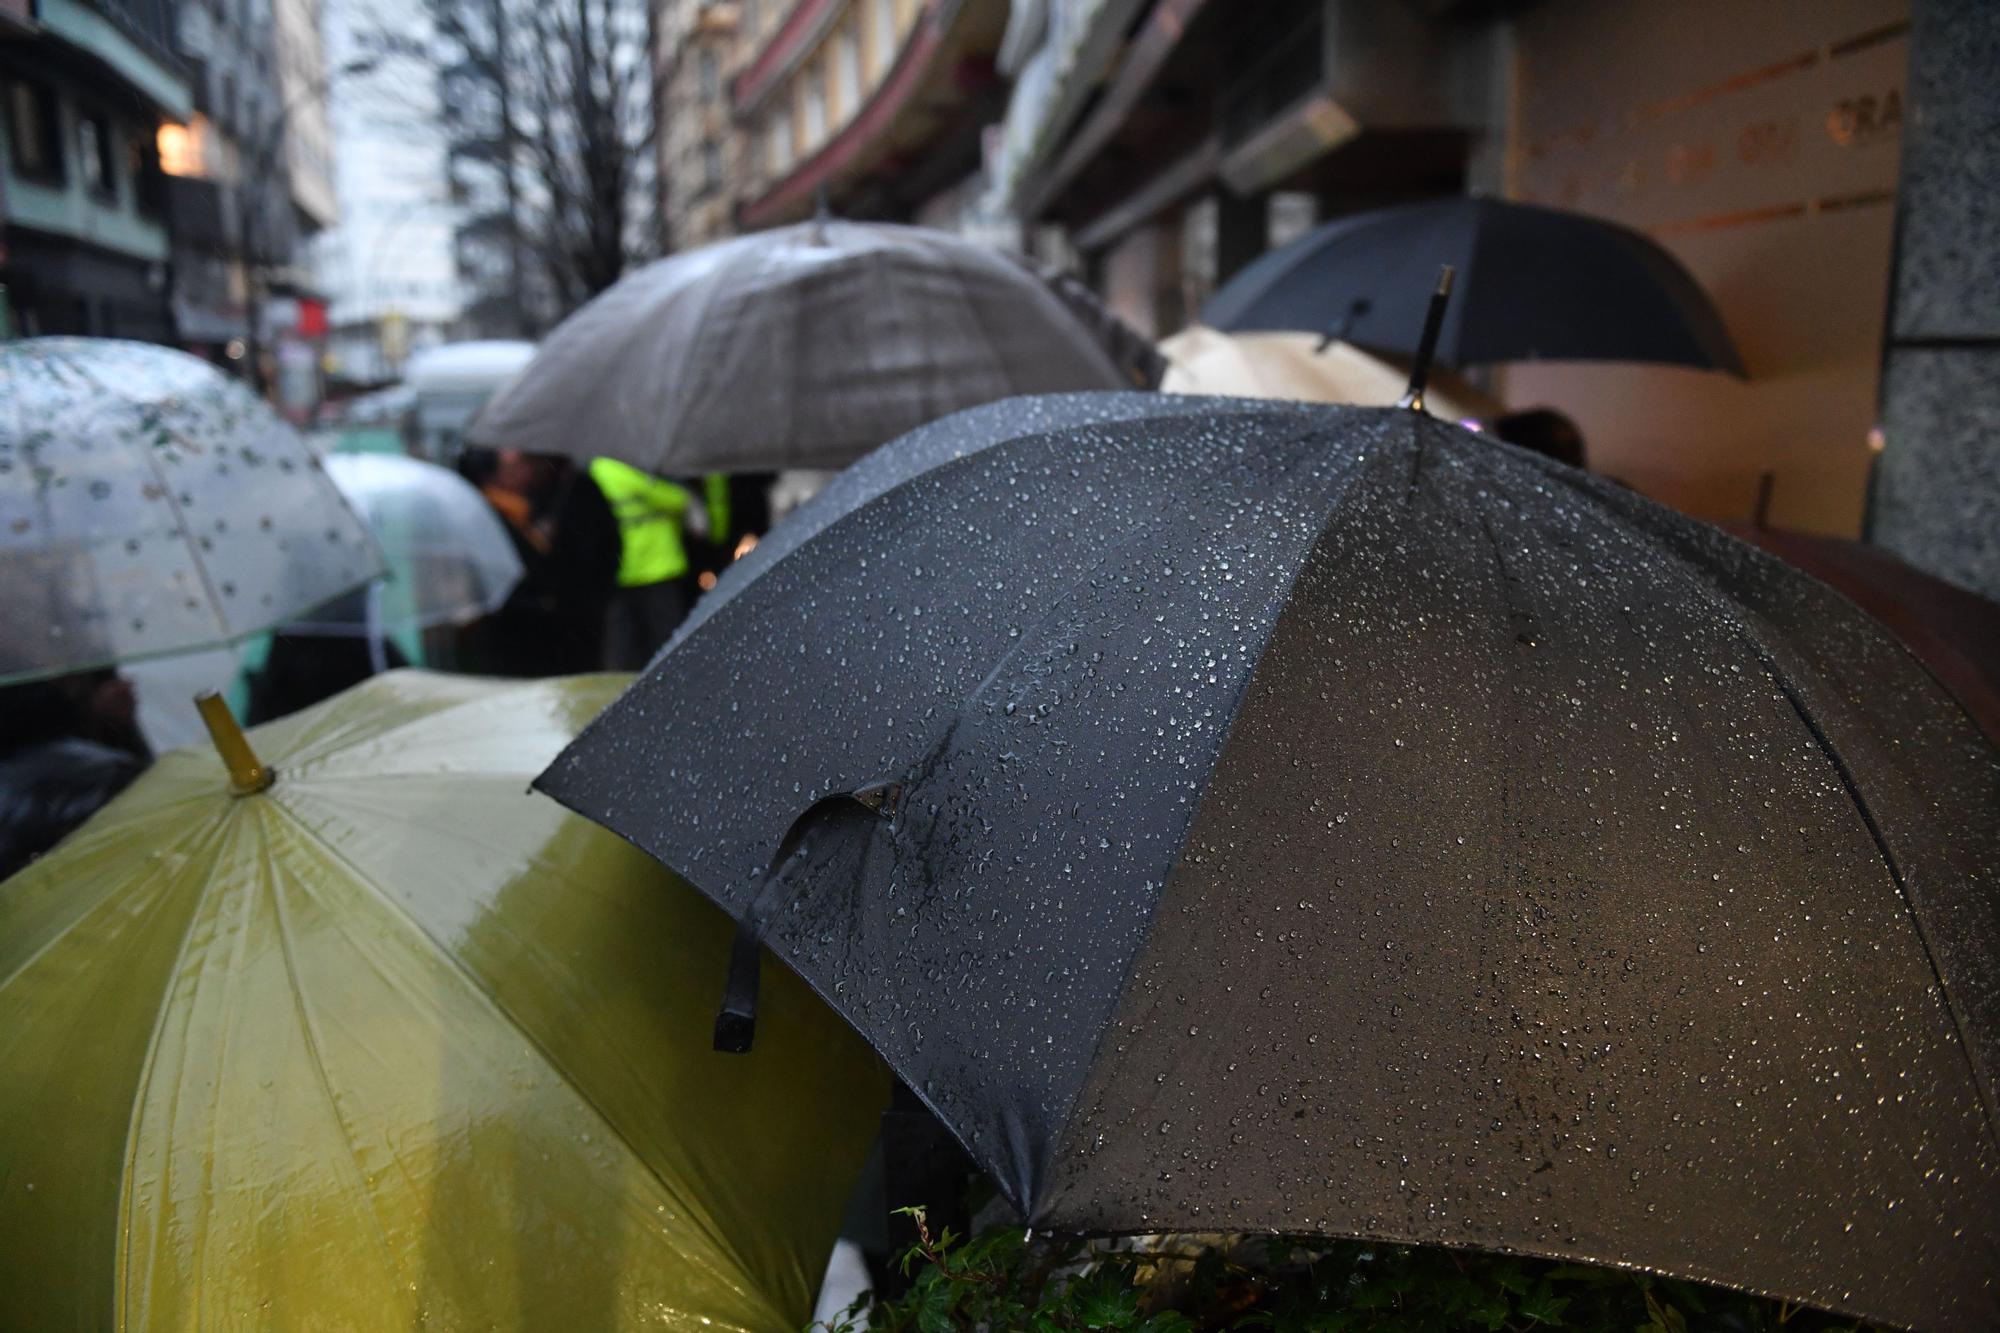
x: 1489, y: 1310
x: 1543, y: 1306
x: 1106, y: 1302
x: 936, y: 1302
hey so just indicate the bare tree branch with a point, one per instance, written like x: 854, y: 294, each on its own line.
x: 548, y: 108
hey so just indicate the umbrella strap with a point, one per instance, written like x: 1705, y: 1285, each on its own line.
x: 736, y: 1025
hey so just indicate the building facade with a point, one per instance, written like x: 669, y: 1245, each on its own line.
x: 1164, y: 143
x: 84, y: 90
x: 304, y: 85
x: 1936, y: 500
x: 702, y: 159
x: 249, y: 187
x: 230, y: 204
x: 876, y: 108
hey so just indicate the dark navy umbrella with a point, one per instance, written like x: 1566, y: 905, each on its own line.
x: 1327, y: 820
x: 1533, y: 283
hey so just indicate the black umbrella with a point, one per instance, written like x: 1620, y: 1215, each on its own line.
x: 1327, y: 820
x: 1534, y: 283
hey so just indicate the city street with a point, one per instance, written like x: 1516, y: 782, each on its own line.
x: 1012, y: 666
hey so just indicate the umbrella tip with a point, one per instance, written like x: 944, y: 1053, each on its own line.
x: 246, y: 774
x: 1420, y: 369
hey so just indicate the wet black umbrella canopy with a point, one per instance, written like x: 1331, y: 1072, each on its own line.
x: 1328, y: 820
x: 1534, y: 283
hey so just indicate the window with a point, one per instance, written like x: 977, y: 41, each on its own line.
x: 31, y: 131
x: 847, y: 72
x: 711, y: 166
x: 778, y: 143
x: 882, y: 36
x: 95, y: 156
x: 180, y: 147
x: 149, y: 183
x: 814, y: 79
x: 711, y: 75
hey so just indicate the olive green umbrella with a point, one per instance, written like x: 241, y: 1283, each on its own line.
x: 391, y: 1042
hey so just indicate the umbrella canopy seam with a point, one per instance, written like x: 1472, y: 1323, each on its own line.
x: 484, y: 997
x: 173, y: 503
x: 187, y: 534
x: 219, y: 833
x: 1280, y: 595
x: 309, y: 1026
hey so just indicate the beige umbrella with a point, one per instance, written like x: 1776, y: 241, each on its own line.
x: 1289, y: 365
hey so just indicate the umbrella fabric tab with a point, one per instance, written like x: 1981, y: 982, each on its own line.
x: 736, y: 1025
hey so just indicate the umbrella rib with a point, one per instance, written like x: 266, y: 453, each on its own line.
x: 1516, y: 608
x: 1280, y: 598
x: 673, y: 432
x: 302, y: 1008
x: 1683, y: 572
x: 146, y: 1068
x: 173, y: 503
x: 77, y: 838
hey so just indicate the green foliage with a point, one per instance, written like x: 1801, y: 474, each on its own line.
x: 1003, y: 1281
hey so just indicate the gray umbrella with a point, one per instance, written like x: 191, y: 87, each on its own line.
x: 1328, y: 820
x: 803, y: 347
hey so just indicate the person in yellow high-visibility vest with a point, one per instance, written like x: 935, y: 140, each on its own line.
x: 654, y: 588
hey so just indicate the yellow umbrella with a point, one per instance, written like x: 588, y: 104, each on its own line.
x: 393, y: 1042
x: 1290, y: 365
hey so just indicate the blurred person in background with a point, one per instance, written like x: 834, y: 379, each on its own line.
x: 67, y: 746
x: 554, y: 622
x: 739, y: 513
x: 655, y: 580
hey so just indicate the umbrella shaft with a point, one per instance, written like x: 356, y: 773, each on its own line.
x: 1420, y: 371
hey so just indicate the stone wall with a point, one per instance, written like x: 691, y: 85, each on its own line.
x: 1937, y: 484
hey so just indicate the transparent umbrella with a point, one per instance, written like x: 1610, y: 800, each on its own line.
x: 450, y: 560
x: 149, y: 504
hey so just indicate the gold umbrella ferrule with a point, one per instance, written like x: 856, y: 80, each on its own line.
x: 246, y: 774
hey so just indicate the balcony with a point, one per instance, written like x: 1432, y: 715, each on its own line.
x: 131, y: 40
x: 876, y: 116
